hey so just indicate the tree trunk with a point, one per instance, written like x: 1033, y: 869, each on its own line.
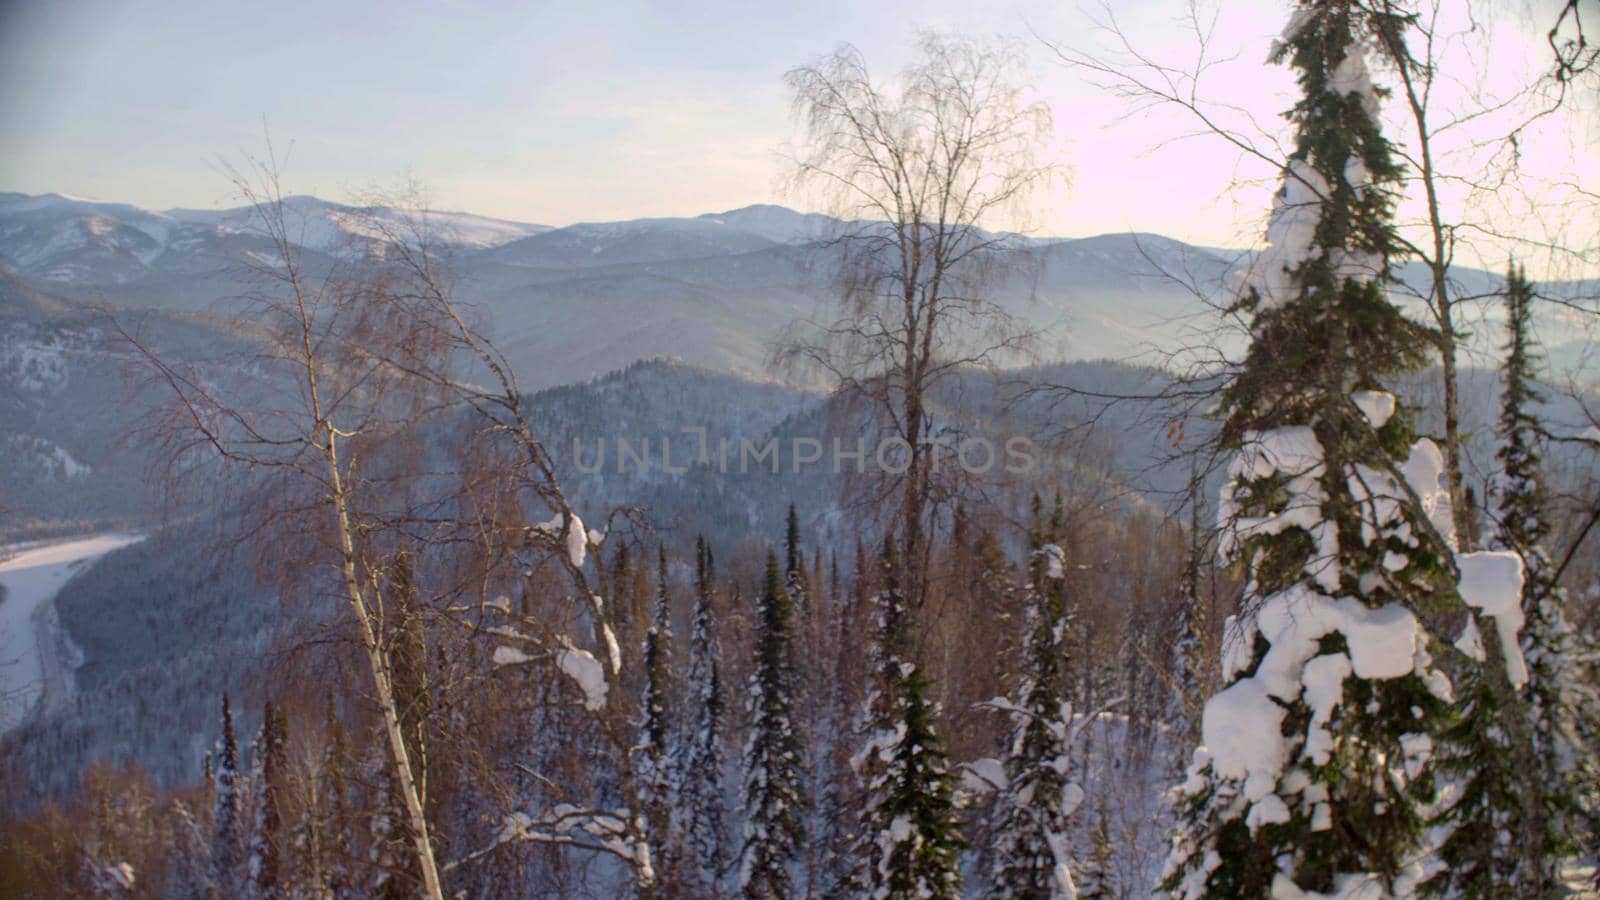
x: 383, y: 686
x: 1460, y: 509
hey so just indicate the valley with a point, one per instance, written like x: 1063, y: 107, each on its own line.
x: 36, y: 658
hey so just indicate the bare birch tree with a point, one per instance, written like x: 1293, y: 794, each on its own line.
x: 918, y: 175
x: 326, y: 405
x: 330, y: 436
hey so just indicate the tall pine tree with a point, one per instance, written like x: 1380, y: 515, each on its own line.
x: 652, y: 761
x: 909, y: 843
x: 774, y: 768
x: 1187, y: 678
x: 698, y: 805
x: 1516, y: 816
x: 1316, y: 774
x: 1563, y: 690
x: 1033, y: 837
x: 267, y: 774
x: 227, y: 820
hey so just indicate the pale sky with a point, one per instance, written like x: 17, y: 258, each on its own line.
x: 557, y: 112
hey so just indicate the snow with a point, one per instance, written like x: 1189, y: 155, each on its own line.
x: 1418, y: 749
x: 1297, y: 22
x: 1351, y: 77
x: 1294, y: 454
x: 984, y: 776
x: 1054, y: 561
x: 1297, y: 209
x: 1491, y: 582
x: 577, y: 537
x: 1324, y: 680
x: 1072, y: 797
x: 1242, y: 729
x: 31, y: 578
x: 583, y: 668
x: 1348, y: 887
x: 509, y: 656
x: 577, y: 542
x: 1269, y: 810
x: 1291, y: 235
x: 1377, y: 406
x: 1424, y: 471
x: 1384, y: 642
x: 1471, y: 642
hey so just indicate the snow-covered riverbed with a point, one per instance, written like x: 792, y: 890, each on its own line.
x: 29, y: 638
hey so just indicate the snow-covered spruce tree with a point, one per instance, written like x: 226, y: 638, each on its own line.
x: 190, y: 871
x: 338, y: 842
x: 1563, y: 691
x: 698, y: 804
x: 1499, y: 836
x: 831, y: 751
x: 227, y: 825
x: 852, y: 679
x: 1186, y: 678
x: 652, y: 762
x: 794, y: 577
x: 269, y: 762
x: 774, y: 768
x: 1315, y: 774
x: 1514, y: 826
x: 909, y: 843
x: 1033, y: 840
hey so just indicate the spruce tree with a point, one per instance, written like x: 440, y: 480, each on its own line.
x: 338, y: 842
x: 396, y: 867
x: 191, y: 874
x: 1517, y: 816
x: 227, y: 825
x: 1188, y: 644
x: 794, y: 578
x: 698, y: 805
x: 1033, y: 838
x: 830, y: 753
x: 651, y: 753
x: 774, y: 779
x: 1562, y: 698
x: 1186, y: 679
x: 267, y: 773
x: 1316, y: 774
x: 909, y: 843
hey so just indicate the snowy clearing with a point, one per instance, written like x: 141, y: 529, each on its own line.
x: 29, y: 637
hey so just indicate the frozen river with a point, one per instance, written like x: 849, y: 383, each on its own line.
x: 31, y: 661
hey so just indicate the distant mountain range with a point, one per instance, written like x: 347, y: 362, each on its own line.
x: 573, y: 303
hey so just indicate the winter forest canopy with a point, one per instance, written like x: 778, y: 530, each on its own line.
x: 368, y: 550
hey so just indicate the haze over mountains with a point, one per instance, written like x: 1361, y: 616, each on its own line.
x: 573, y: 303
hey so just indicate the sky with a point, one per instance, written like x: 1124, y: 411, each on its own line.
x: 558, y: 112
